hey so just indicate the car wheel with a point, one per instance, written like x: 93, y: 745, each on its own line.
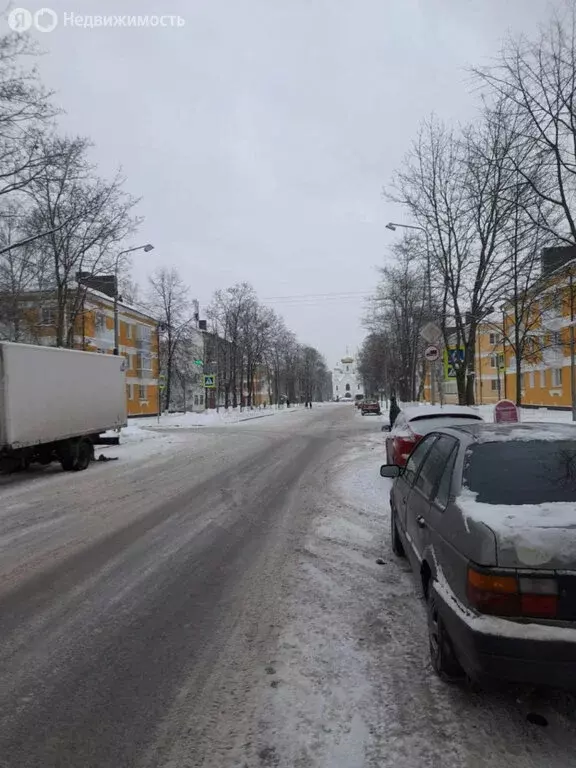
x: 442, y: 655
x: 396, y: 541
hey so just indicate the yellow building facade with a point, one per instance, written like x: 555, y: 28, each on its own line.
x: 545, y: 366
x: 546, y: 323
x: 93, y: 331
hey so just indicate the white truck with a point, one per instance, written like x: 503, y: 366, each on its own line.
x: 55, y: 404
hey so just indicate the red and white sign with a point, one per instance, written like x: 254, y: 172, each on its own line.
x: 432, y: 353
x: 506, y: 412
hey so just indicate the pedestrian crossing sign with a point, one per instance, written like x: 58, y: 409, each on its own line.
x: 209, y: 381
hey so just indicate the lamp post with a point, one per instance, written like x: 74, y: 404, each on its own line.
x: 146, y: 248
x: 393, y: 226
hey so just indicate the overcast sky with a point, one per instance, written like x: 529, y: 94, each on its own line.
x: 261, y: 132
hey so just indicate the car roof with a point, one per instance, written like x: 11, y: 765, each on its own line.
x: 432, y: 411
x: 483, y: 432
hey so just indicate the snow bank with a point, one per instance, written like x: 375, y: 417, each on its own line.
x: 138, y: 444
x: 210, y: 418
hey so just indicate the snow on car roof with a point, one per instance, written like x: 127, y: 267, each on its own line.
x: 502, y: 433
x: 431, y: 411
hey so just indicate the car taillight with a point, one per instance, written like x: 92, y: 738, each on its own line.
x: 500, y: 594
x: 405, y: 446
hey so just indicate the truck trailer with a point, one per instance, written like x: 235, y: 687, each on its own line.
x: 55, y: 404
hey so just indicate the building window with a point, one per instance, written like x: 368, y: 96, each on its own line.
x: 495, y: 338
x: 347, y: 387
x: 129, y: 393
x: 128, y: 331
x: 100, y: 323
x: 494, y: 385
x: 145, y: 365
x: 556, y: 377
x: 196, y: 400
x: 493, y: 361
x: 48, y: 316
x: 358, y: 386
x: 201, y: 399
x: 531, y: 380
x: 542, y: 378
x: 144, y: 334
x: 556, y: 339
x: 142, y: 391
x: 336, y: 387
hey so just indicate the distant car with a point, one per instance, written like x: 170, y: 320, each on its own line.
x: 486, y: 515
x: 413, y: 423
x: 370, y: 406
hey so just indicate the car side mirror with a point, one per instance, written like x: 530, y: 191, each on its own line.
x: 386, y: 428
x: 390, y: 470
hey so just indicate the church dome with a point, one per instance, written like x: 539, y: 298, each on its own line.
x: 347, y: 360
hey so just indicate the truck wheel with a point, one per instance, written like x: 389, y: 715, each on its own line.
x: 442, y: 655
x: 76, y: 455
x: 84, y: 455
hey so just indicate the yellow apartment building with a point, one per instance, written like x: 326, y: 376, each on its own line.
x: 93, y: 331
x: 549, y: 309
x: 545, y: 368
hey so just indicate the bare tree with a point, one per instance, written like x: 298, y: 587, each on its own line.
x: 455, y: 187
x: 399, y: 310
x: 229, y: 312
x: 536, y: 82
x: 169, y: 301
x: 88, y: 218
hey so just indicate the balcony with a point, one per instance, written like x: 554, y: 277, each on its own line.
x: 143, y: 337
x: 144, y: 367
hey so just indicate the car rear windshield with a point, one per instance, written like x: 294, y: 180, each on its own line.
x: 424, y: 424
x: 522, y: 472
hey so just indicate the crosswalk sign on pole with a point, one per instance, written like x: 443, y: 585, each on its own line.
x: 209, y: 381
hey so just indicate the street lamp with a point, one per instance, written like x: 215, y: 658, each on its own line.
x: 146, y: 248
x: 393, y: 226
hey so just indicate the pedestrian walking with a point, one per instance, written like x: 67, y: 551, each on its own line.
x: 394, y: 410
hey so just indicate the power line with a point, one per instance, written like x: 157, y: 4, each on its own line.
x: 318, y: 297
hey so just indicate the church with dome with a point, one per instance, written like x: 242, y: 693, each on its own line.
x: 346, y: 381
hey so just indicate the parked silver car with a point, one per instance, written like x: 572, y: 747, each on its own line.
x: 487, y: 517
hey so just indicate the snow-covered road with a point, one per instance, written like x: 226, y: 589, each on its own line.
x: 213, y: 599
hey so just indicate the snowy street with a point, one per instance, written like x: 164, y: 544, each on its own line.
x: 213, y: 599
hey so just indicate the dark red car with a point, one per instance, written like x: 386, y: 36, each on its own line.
x: 413, y: 423
x: 370, y: 406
